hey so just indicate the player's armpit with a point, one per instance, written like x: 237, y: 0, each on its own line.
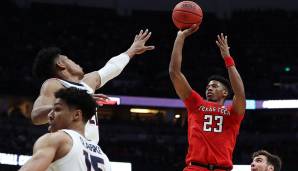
x: 92, y: 79
x: 43, y: 104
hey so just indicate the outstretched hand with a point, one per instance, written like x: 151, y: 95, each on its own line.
x: 187, y: 32
x: 138, y: 46
x: 222, y: 43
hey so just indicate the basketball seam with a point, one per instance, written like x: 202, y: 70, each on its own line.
x: 188, y: 12
x: 182, y: 21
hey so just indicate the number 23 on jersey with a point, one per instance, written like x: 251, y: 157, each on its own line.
x: 209, y: 126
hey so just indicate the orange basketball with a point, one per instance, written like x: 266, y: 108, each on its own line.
x: 187, y: 13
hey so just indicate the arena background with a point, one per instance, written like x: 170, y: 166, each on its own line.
x: 263, y: 37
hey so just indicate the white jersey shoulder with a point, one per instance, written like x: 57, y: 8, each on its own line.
x: 91, y: 128
x: 84, y: 155
x: 81, y: 85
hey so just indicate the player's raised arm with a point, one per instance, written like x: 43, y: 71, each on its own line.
x: 116, y: 64
x: 45, y: 150
x: 181, y: 85
x: 43, y: 104
x: 239, y: 101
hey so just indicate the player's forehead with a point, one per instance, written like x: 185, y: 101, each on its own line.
x: 59, y: 102
x: 260, y: 158
x: 214, y: 82
x: 63, y: 57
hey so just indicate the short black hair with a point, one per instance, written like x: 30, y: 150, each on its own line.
x: 222, y: 80
x: 79, y: 99
x: 271, y: 159
x: 44, y: 63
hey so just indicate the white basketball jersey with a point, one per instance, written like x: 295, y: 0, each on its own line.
x: 91, y: 128
x: 84, y: 155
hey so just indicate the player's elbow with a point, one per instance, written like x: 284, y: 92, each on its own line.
x: 241, y: 94
x: 35, y: 119
x: 174, y: 73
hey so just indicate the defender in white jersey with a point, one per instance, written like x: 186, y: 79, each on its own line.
x: 91, y: 128
x: 66, y: 148
x: 50, y: 63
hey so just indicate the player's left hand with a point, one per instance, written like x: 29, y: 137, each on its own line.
x: 222, y: 43
x: 138, y: 46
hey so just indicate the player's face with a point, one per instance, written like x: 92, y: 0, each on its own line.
x: 215, y: 91
x: 60, y: 117
x: 260, y: 163
x: 71, y: 66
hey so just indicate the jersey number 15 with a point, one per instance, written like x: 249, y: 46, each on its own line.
x: 94, y: 162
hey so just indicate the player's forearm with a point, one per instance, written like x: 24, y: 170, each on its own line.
x: 176, y: 57
x: 39, y: 115
x: 236, y: 82
x: 113, y: 68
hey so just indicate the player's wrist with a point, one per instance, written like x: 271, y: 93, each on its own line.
x: 181, y: 37
x: 229, y: 61
x: 130, y: 52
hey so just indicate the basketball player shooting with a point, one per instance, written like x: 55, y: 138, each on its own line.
x: 60, y: 71
x: 212, y: 127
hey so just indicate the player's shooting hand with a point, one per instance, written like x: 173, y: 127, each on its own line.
x: 187, y: 32
x: 138, y: 46
x: 222, y: 43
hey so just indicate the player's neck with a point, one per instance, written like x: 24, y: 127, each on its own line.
x: 220, y: 102
x: 69, y: 77
x: 78, y: 128
x: 73, y: 79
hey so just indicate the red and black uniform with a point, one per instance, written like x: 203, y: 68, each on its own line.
x: 212, y: 133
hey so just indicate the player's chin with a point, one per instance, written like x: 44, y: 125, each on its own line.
x: 211, y: 99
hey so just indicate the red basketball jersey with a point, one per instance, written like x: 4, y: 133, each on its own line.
x: 212, y: 131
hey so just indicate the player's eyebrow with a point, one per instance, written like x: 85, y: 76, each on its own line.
x: 258, y: 159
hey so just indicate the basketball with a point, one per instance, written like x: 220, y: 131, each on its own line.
x: 187, y: 13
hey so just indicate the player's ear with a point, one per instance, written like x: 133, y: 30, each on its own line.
x: 77, y: 115
x: 225, y: 92
x: 271, y: 168
x: 59, y: 63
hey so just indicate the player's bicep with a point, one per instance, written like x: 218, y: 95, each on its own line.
x: 43, y: 154
x: 46, y: 95
x: 43, y: 100
x: 92, y: 79
x: 181, y: 85
x: 238, y: 105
